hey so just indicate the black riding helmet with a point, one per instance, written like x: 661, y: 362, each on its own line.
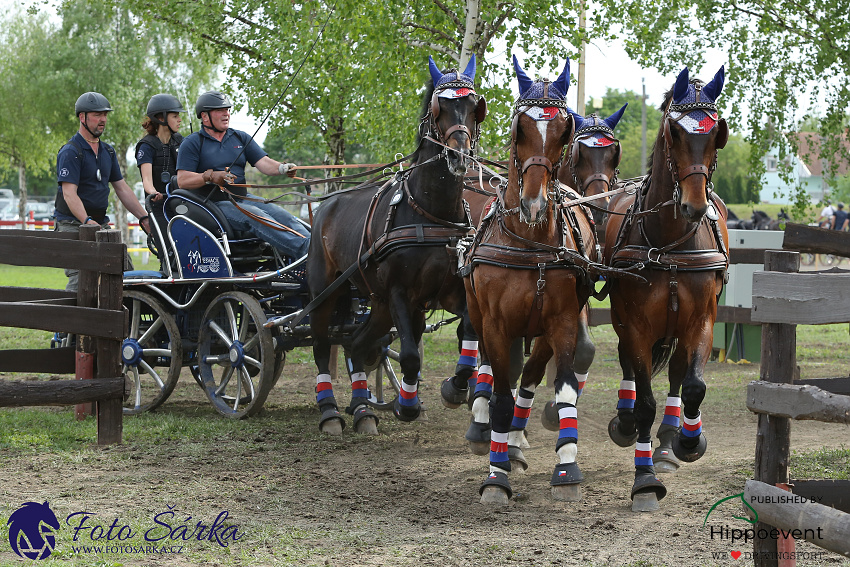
x: 163, y: 104
x: 211, y: 100
x: 91, y: 102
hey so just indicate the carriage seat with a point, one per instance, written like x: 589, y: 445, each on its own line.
x: 204, y: 212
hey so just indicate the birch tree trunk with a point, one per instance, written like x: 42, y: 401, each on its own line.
x: 469, y: 33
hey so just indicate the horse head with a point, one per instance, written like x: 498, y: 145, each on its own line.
x: 540, y: 130
x: 455, y: 113
x: 594, y: 157
x: 692, y: 133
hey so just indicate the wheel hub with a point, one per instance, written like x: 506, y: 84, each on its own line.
x: 131, y: 352
x: 237, y: 354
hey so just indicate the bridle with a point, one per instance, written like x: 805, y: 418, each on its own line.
x: 693, y: 169
x: 538, y: 160
x: 429, y: 121
x: 597, y: 175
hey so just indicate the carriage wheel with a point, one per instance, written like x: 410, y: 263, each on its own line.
x: 236, y: 355
x: 152, y: 353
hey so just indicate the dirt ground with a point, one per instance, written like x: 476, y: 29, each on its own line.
x: 410, y: 495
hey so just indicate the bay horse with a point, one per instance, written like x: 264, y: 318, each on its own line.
x: 526, y: 275
x: 672, y: 231
x: 397, y: 236
x: 593, y: 156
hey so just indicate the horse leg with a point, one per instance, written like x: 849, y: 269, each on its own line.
x: 364, y: 339
x: 455, y: 390
x: 621, y: 429
x: 331, y: 421
x: 410, y: 323
x: 567, y: 477
x: 690, y: 442
x: 585, y: 351
x: 496, y: 489
x: 663, y: 457
x: 647, y: 489
x: 532, y: 375
x: 478, y: 433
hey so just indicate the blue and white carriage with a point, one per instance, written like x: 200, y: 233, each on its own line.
x: 209, y: 309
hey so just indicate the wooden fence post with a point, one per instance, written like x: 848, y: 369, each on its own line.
x: 109, y: 296
x: 778, y: 364
x: 86, y: 297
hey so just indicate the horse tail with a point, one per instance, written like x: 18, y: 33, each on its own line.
x: 661, y: 354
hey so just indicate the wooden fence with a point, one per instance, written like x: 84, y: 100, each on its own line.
x: 95, y: 314
x: 783, y: 298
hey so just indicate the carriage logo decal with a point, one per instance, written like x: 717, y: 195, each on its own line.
x: 203, y: 264
x: 31, y: 530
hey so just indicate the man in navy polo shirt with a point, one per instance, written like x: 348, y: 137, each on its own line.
x: 201, y: 165
x: 85, y: 167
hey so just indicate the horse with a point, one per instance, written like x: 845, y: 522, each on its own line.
x: 526, y: 275
x: 672, y: 232
x: 399, y: 258
x: 593, y: 156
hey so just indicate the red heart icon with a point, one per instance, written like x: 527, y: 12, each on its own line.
x: 735, y: 554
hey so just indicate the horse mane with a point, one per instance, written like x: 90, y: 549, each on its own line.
x: 668, y: 97
x: 426, y: 108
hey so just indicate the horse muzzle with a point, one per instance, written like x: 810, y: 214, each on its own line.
x: 532, y: 211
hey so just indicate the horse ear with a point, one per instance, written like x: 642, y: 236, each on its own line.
x: 436, y: 74
x: 470, y: 68
x: 563, y: 80
x: 680, y: 89
x: 612, y: 120
x: 715, y: 85
x: 722, y: 134
x: 522, y: 79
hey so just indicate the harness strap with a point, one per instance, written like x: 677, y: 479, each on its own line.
x: 672, y: 309
x: 534, y: 318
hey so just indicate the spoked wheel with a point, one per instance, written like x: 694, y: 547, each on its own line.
x: 152, y: 353
x: 236, y: 355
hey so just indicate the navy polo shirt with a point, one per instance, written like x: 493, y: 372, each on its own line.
x: 215, y: 155
x: 145, y: 154
x: 83, y: 173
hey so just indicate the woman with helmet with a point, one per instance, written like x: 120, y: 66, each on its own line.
x: 85, y: 167
x: 156, y: 153
x: 216, y: 156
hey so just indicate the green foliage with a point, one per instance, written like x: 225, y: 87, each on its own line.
x: 785, y: 59
x: 823, y: 463
x: 629, y: 129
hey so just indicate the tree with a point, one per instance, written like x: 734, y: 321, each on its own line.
x: 786, y: 58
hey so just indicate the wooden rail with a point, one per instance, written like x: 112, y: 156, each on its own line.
x: 94, y: 314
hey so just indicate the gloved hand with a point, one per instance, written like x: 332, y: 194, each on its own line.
x: 287, y: 169
x: 221, y: 177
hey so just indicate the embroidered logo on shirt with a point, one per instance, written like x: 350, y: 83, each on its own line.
x: 64, y: 172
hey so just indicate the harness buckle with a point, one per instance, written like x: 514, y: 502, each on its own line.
x: 657, y: 259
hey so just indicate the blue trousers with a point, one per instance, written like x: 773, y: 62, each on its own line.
x: 286, y: 243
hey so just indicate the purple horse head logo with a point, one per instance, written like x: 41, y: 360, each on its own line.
x: 31, y: 529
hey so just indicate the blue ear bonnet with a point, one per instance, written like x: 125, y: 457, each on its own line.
x: 453, y: 78
x: 529, y: 90
x: 536, y: 92
x: 595, y: 123
x: 693, y: 108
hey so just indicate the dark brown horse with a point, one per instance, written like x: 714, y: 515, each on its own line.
x: 674, y: 234
x: 398, y: 234
x: 527, y: 276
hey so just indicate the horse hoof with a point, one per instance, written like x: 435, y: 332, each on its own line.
x: 406, y: 413
x: 549, y: 418
x: 647, y: 483
x: 524, y: 444
x: 365, y: 420
x: 567, y: 493
x: 332, y: 427
x: 517, y: 459
x: 645, y: 502
x: 496, y: 490
x: 494, y: 496
x: 478, y: 436
x: 452, y: 396
x: 619, y: 438
x: 689, y: 454
x: 665, y: 461
x: 331, y: 421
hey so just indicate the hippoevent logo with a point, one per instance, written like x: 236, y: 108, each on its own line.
x: 32, y: 529
x: 733, y: 535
